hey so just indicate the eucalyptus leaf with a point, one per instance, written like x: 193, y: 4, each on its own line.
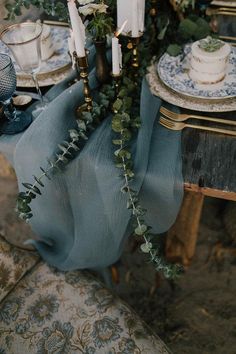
x: 123, y: 92
x: 125, y: 117
x: 61, y: 158
x: 117, y: 141
x: 38, y: 181
x: 24, y: 196
x: 74, y: 134
x: 83, y: 136
x: 32, y: 188
x: 126, y: 134
x: 87, y: 116
x: 32, y: 195
x: 117, y: 125
x: 146, y: 247
x: 81, y: 125
x: 117, y: 104
x: 140, y: 230
x: 162, y: 33
x: 64, y: 149
x: 174, y: 50
x: 124, y: 153
x: 45, y: 172
x: 187, y: 28
x: 124, y: 189
x: 22, y: 206
x: 74, y: 147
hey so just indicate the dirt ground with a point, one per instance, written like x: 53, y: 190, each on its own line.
x: 197, y: 314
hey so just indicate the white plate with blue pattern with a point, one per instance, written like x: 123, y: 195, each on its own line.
x: 173, y: 72
x: 54, y: 69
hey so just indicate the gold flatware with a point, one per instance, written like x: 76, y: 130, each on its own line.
x: 56, y: 23
x: 229, y: 40
x: 183, y: 117
x: 228, y: 11
x: 170, y: 124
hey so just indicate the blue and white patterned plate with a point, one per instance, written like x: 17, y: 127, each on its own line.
x: 51, y: 71
x: 173, y: 72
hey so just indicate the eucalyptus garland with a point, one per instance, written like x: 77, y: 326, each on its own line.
x: 124, y: 123
x: 86, y: 123
x: 51, y: 7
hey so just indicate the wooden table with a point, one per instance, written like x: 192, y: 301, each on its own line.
x: 209, y: 169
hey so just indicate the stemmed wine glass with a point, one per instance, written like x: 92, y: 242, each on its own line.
x: 23, y: 40
x: 16, y: 121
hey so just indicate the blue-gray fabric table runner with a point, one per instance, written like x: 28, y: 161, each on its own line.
x: 81, y: 220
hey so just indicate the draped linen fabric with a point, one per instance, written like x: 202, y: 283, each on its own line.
x: 81, y: 219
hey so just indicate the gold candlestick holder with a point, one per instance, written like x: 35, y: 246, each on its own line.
x: 82, y: 67
x: 116, y: 83
x: 153, y: 14
x: 153, y: 11
x: 133, y: 45
x: 135, y: 57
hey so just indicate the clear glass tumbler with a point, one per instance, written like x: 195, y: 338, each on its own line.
x: 23, y: 40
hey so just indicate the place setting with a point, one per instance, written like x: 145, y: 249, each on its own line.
x: 197, y: 79
x: 38, y: 56
x: 55, y: 60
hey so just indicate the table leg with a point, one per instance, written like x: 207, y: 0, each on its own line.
x: 182, y: 237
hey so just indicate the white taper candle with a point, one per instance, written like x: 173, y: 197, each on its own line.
x: 133, y: 11
x: 115, y: 56
x: 71, y: 43
x: 135, y: 19
x: 78, y: 28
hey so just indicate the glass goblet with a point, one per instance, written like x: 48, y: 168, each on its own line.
x: 23, y: 40
x: 16, y: 121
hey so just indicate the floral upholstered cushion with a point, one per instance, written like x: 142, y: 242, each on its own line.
x: 67, y: 313
x: 14, y: 263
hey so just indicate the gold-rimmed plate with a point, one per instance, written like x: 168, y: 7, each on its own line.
x: 173, y: 71
x: 54, y: 69
x: 197, y: 104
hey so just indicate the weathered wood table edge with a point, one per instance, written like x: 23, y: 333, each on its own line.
x: 209, y: 162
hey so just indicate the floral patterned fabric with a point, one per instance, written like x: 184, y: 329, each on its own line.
x: 51, y: 312
x: 14, y: 263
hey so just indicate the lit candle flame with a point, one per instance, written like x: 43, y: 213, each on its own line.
x: 117, y: 33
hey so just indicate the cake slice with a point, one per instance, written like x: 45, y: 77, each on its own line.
x: 209, y: 60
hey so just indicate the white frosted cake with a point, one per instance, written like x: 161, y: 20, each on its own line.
x: 209, y: 60
x: 47, y: 49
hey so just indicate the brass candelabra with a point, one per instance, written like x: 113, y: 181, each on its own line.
x: 82, y: 67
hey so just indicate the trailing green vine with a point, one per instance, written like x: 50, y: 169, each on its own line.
x: 123, y: 124
x: 67, y: 150
x: 53, y: 8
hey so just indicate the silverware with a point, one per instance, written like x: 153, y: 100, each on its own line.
x: 221, y: 11
x: 183, y: 117
x: 229, y: 40
x: 56, y: 23
x: 170, y: 124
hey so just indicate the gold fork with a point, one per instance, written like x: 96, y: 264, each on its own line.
x: 182, y: 117
x: 170, y: 124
